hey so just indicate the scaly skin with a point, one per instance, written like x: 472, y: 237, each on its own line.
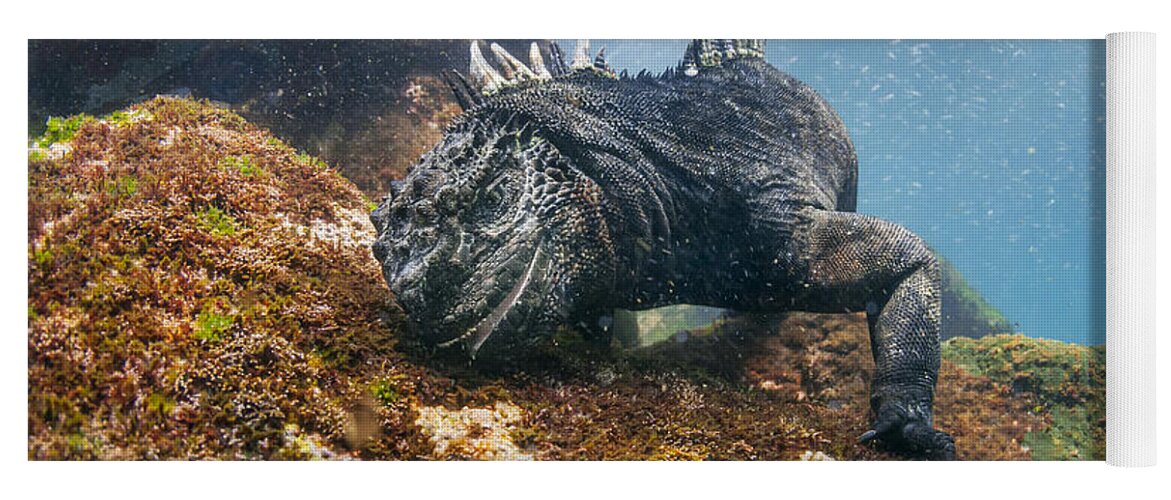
x: 724, y: 183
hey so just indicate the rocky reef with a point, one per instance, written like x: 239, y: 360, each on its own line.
x: 199, y: 289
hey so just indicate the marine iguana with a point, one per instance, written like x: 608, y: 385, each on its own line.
x: 565, y: 191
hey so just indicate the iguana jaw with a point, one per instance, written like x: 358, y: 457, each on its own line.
x: 475, y: 337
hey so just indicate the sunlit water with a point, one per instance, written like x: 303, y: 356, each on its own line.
x: 993, y: 151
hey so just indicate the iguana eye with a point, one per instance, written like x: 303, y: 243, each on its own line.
x: 492, y: 202
x: 496, y: 195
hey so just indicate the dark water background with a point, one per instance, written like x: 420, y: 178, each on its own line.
x: 991, y: 150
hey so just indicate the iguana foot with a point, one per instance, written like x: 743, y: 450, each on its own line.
x: 911, y: 433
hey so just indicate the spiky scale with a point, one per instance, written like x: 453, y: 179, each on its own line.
x: 581, y: 55
x: 538, y: 62
x: 557, y: 59
x: 516, y: 69
x: 482, y: 72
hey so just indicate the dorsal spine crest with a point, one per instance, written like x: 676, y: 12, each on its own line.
x: 485, y: 79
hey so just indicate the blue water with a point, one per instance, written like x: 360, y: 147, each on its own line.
x: 993, y: 151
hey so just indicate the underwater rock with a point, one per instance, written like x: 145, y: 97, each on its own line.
x: 811, y: 456
x: 964, y: 311
x: 1066, y: 383
x: 644, y: 328
x: 195, y: 287
x: 200, y: 290
x: 473, y: 433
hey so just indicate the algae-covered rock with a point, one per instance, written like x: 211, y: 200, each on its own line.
x: 476, y: 433
x: 964, y: 311
x: 197, y: 289
x: 1067, y: 381
x: 1002, y: 397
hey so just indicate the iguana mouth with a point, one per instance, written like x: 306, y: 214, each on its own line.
x: 478, y: 334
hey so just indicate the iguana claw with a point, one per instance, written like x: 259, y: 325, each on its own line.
x: 909, y: 434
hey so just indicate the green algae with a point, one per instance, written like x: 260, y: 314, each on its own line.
x: 242, y: 164
x: 308, y: 159
x: 218, y: 222
x: 1053, y: 369
x: 123, y: 118
x: 160, y: 404
x: 61, y: 130
x: 42, y: 256
x: 386, y: 390
x: 1071, y: 436
x: 123, y: 186
x: 119, y: 118
x: 211, y: 326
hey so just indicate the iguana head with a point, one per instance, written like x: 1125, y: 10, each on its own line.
x: 492, y: 235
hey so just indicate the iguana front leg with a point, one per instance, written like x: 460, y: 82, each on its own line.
x: 854, y: 262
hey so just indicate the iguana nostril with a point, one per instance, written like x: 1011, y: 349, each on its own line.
x: 396, y: 188
x: 380, y: 250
